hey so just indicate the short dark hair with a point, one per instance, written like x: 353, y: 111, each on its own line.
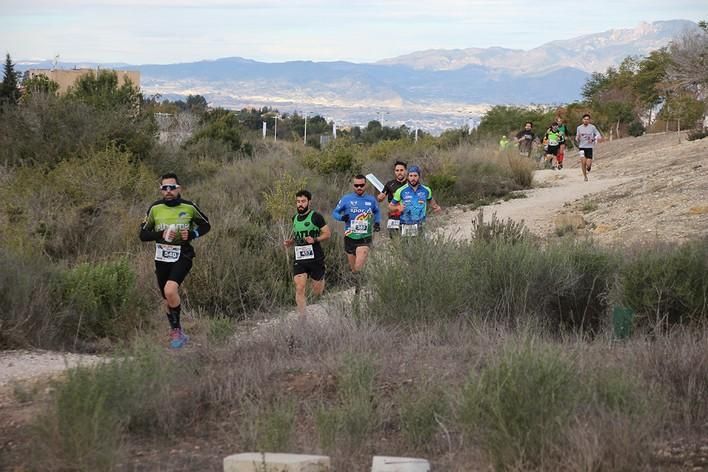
x: 169, y: 175
x: 528, y: 123
x: 304, y: 193
x: 400, y: 163
x: 586, y: 114
x: 360, y: 177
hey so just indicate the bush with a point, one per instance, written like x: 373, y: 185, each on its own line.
x: 95, y: 407
x: 667, y: 285
x: 419, y: 412
x: 517, y: 405
x: 354, y: 415
x: 26, y: 297
x: 339, y: 156
x: 100, y: 300
x: 697, y: 134
x: 501, y: 275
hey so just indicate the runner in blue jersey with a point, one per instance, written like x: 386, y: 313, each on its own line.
x: 361, y: 217
x: 412, y: 201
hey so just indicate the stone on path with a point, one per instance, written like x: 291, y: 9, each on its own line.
x: 399, y: 464
x: 275, y: 462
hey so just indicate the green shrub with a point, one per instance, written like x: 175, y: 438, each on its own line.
x: 338, y: 156
x: 518, y: 404
x: 697, y: 134
x: 419, y: 412
x: 418, y: 279
x: 276, y: 427
x: 353, y: 417
x: 95, y: 407
x: 100, y: 300
x: 25, y: 298
x: 667, y: 285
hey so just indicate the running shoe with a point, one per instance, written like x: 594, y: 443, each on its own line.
x: 178, y: 338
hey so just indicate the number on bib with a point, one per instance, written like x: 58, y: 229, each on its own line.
x: 393, y: 224
x: 409, y: 230
x: 167, y: 252
x: 303, y: 253
x: 360, y: 226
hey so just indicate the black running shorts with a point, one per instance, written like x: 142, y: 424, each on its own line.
x: 175, y: 271
x: 350, y: 244
x: 314, y: 268
x: 587, y: 152
x: 553, y: 150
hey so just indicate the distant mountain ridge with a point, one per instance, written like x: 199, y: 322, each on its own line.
x: 590, y: 53
x: 433, y: 88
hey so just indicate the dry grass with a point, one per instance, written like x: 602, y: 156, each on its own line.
x: 351, y: 389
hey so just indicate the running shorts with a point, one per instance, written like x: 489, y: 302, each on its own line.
x: 553, y: 150
x: 587, y: 152
x: 174, y: 271
x: 351, y: 244
x: 314, y: 268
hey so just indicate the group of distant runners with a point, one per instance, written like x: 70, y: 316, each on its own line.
x: 555, y: 141
x: 173, y: 222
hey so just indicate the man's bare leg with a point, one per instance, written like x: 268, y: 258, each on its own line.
x: 300, y: 296
x: 583, y: 164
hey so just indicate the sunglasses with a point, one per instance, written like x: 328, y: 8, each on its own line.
x: 359, y: 185
x: 167, y: 187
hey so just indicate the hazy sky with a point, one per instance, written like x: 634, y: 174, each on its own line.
x: 165, y: 31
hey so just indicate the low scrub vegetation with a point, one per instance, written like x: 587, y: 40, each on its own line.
x: 507, y: 398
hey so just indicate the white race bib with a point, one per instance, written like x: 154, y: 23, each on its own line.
x: 552, y: 142
x: 409, y: 230
x: 360, y: 226
x: 393, y: 224
x: 303, y: 253
x: 167, y: 252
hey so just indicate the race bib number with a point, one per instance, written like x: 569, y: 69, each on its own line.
x: 167, y: 252
x: 552, y: 142
x: 409, y: 230
x: 360, y: 226
x: 393, y: 224
x: 303, y: 253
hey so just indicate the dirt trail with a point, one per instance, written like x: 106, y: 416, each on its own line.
x: 640, y: 189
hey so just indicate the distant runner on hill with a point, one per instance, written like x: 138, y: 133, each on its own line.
x: 394, y: 216
x: 173, y: 223
x: 309, y: 230
x: 525, y: 139
x: 553, y: 140
x: 563, y: 128
x: 586, y: 136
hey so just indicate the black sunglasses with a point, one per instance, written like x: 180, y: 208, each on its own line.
x: 359, y: 185
x: 169, y: 187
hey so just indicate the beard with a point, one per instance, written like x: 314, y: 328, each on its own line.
x: 302, y: 210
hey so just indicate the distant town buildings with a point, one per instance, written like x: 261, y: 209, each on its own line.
x: 67, y: 77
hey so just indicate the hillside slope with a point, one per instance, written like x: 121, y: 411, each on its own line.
x: 650, y: 188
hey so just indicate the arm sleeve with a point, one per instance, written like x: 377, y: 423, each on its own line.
x: 147, y: 229
x: 319, y: 220
x: 202, y: 222
x: 376, y: 211
x: 337, y: 212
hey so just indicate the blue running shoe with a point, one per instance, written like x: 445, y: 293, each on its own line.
x: 178, y: 338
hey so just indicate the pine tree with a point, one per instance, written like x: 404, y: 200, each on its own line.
x: 9, y: 88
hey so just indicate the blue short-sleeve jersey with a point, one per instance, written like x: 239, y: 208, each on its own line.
x: 415, y: 202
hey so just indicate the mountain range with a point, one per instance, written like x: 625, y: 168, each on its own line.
x: 431, y: 89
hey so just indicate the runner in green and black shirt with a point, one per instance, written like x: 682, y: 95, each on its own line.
x: 173, y: 223
x: 309, y: 230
